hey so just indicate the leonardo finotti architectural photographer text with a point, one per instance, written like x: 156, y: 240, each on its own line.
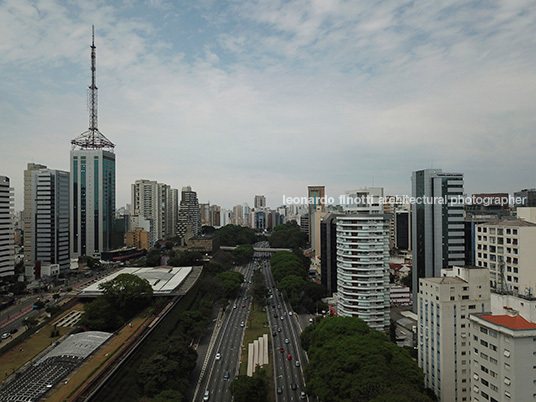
x: 405, y: 199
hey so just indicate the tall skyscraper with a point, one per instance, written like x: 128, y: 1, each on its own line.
x: 260, y: 219
x: 316, y: 196
x: 363, y: 260
x: 174, y: 211
x: 189, y: 214
x: 204, y: 210
x: 27, y: 213
x: 7, y: 239
x: 215, y: 215
x: 238, y: 218
x: 92, y: 183
x: 328, y: 252
x: 259, y: 202
x: 46, y: 217
x: 437, y: 230
x: 247, y: 216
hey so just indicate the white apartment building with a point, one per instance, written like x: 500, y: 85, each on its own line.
x: 158, y: 202
x: 526, y: 213
x: 7, y: 240
x: 444, y: 343
x: 503, y: 357
x: 363, y: 261
x: 507, y: 248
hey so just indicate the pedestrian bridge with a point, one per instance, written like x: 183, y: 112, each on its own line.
x: 259, y: 249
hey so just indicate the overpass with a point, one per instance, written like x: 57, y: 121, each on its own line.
x: 259, y: 249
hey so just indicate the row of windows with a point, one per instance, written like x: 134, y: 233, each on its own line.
x: 498, y: 231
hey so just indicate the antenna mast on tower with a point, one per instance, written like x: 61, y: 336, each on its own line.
x: 93, y: 138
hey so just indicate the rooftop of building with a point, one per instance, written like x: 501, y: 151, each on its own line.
x: 446, y: 280
x: 163, y: 280
x: 510, y: 222
x: 515, y: 322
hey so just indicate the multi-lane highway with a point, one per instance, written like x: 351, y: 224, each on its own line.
x: 222, y: 360
x: 223, y: 356
x: 288, y: 356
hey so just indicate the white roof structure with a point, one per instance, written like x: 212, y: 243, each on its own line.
x: 163, y: 280
x: 79, y: 345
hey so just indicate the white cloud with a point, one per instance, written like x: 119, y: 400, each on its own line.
x: 268, y: 97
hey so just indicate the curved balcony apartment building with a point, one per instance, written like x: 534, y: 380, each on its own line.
x: 363, y: 268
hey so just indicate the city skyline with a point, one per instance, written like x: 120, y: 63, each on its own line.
x: 283, y: 95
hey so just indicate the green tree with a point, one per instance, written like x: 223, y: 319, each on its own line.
x: 212, y: 288
x: 38, y: 305
x: 286, y: 268
x: 287, y: 235
x: 212, y: 268
x: 168, y: 395
x: 19, y: 268
x: 185, y: 259
x: 18, y: 288
x: 193, y: 323
x: 407, y: 280
x: 168, y: 368
x: 232, y: 235
x: 30, y: 322
x: 243, y: 254
x: 350, y: 362
x: 153, y: 258
x: 293, y: 287
x: 259, y: 289
x: 101, y: 315
x: 231, y: 282
x: 128, y: 293
x: 93, y: 263
x: 247, y: 389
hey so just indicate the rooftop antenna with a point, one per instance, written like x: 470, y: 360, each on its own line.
x: 93, y: 138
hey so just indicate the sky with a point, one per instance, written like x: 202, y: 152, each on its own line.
x: 237, y: 98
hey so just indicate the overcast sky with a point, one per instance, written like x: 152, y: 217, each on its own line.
x: 238, y: 98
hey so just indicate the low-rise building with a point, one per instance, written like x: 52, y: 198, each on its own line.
x: 139, y: 239
x: 399, y: 295
x: 503, y: 357
x: 208, y: 244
